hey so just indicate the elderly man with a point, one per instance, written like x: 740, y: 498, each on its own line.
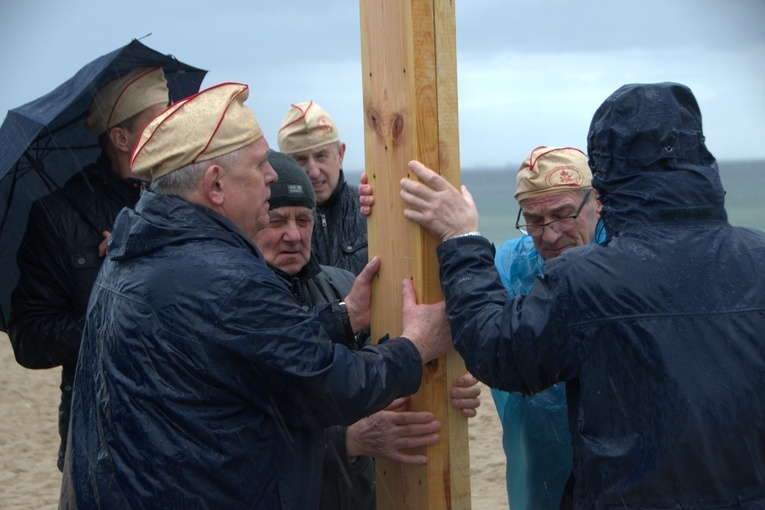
x: 660, y: 349
x: 554, y: 191
x: 309, y: 135
x: 348, y: 473
x: 64, y: 243
x: 559, y: 210
x: 201, y: 383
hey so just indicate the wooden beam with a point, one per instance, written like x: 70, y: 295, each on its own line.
x: 409, y: 68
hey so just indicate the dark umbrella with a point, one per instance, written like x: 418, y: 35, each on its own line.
x: 44, y: 143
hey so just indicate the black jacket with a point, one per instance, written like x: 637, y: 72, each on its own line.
x: 340, y: 235
x: 200, y: 382
x: 658, y: 333
x: 58, y: 262
x: 346, y: 484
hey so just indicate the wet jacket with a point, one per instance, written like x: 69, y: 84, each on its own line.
x: 340, y: 234
x: 58, y: 263
x: 535, y: 433
x: 347, y: 484
x: 658, y: 333
x: 200, y: 382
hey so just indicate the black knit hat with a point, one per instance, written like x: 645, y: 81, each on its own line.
x: 293, y: 186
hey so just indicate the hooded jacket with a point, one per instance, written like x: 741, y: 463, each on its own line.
x: 58, y: 263
x: 657, y: 333
x: 340, y: 235
x: 201, y: 383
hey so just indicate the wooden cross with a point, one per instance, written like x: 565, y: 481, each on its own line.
x: 409, y: 69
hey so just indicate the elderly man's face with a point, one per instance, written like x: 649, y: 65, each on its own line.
x: 286, y: 242
x: 555, y: 206
x: 248, y: 189
x: 322, y: 165
x: 141, y: 121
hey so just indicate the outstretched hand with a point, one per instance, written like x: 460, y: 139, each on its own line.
x: 437, y: 205
x: 385, y: 434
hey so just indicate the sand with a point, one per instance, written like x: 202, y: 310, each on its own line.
x: 29, y: 478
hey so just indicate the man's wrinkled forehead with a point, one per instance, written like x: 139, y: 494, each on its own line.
x: 327, y: 149
x: 552, y: 202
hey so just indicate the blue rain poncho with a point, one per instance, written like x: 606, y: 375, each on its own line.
x: 535, y: 433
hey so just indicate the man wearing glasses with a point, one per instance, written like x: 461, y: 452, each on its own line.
x: 558, y: 211
x: 657, y: 332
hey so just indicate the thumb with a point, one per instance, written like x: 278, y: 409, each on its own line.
x: 410, y: 297
x: 370, y: 270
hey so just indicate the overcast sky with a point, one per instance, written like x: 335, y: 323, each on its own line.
x: 530, y: 72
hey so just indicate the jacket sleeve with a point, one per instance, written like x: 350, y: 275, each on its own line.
x: 516, y: 344
x: 335, y: 321
x: 45, y: 328
x: 291, y: 364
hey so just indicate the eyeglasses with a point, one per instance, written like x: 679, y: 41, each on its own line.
x: 560, y: 225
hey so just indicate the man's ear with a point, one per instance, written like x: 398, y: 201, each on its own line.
x: 213, y: 184
x: 341, y: 152
x: 598, y: 205
x: 119, y: 139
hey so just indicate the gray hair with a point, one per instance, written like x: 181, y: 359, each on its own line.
x: 187, y: 178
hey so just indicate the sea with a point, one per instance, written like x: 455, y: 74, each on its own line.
x: 493, y: 189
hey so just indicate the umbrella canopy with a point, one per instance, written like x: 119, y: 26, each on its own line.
x: 44, y: 142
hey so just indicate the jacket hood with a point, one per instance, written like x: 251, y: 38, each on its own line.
x: 147, y: 229
x: 649, y: 161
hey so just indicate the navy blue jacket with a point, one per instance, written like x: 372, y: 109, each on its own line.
x: 347, y: 484
x: 659, y: 333
x: 201, y: 383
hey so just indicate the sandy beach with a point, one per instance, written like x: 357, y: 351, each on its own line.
x: 29, y: 478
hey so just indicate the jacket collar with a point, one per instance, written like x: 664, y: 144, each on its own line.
x: 333, y: 199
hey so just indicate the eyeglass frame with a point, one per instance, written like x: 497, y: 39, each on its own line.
x: 524, y: 228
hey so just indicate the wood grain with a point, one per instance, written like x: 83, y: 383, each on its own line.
x: 410, y: 107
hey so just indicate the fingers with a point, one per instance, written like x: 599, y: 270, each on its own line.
x: 370, y: 270
x: 422, y: 172
x: 102, y: 247
x: 366, y: 200
x: 414, y: 194
x: 410, y: 297
x: 387, y: 433
x: 465, y: 193
x: 467, y: 379
x: 465, y: 395
x: 396, y: 404
x: 469, y: 412
x: 403, y: 458
x: 429, y: 177
x: 468, y: 392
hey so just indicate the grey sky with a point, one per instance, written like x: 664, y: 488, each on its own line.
x: 530, y: 72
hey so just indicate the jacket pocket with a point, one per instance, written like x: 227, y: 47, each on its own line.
x: 351, y: 245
